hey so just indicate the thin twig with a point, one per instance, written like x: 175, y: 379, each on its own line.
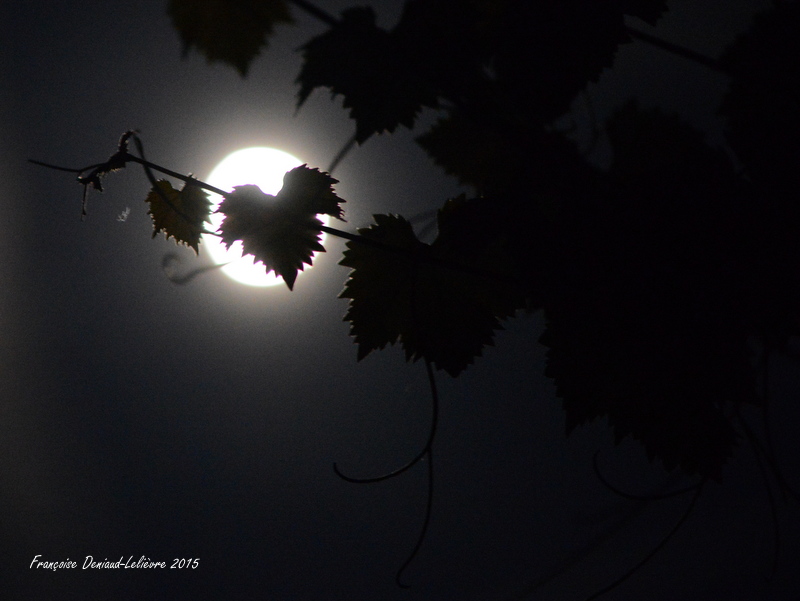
x: 418, y: 457
x: 429, y: 504
x: 67, y: 169
x: 182, y: 280
x: 176, y: 175
x: 773, y: 510
x: 315, y: 11
x: 342, y: 153
x: 655, y: 550
x: 692, y: 55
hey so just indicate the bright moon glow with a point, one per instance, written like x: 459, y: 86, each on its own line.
x: 264, y: 167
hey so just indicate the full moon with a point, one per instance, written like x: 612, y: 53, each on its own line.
x: 264, y: 167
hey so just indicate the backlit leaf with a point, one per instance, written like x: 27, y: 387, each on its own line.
x: 281, y: 231
x: 310, y: 191
x: 179, y: 214
x: 231, y: 31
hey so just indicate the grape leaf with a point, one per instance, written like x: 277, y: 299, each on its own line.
x: 474, y: 153
x: 281, y: 231
x: 523, y: 57
x: 379, y: 286
x: 363, y: 62
x: 651, y: 330
x: 668, y: 392
x: 439, y: 304
x: 310, y: 190
x: 476, y: 237
x: 231, y: 31
x: 179, y: 214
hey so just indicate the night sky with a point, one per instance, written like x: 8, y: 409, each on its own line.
x: 140, y: 418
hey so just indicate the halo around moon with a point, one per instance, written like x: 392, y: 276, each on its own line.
x: 264, y: 167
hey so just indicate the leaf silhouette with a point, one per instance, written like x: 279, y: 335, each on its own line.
x: 435, y: 300
x: 281, y: 231
x: 365, y: 64
x: 541, y: 54
x: 231, y: 31
x: 309, y: 190
x: 379, y: 286
x: 179, y: 214
x: 654, y: 335
x: 476, y: 239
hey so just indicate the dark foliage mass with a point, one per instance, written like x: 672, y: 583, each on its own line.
x: 665, y: 277
x: 230, y: 31
x: 656, y: 274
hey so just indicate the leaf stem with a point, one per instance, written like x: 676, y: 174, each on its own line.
x: 315, y: 11
x: 67, y: 169
x: 419, y: 456
x: 692, y: 55
x: 175, y: 174
x: 342, y: 153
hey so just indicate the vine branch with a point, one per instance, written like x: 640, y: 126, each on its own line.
x: 120, y: 158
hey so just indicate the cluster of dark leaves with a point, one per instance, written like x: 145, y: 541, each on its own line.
x: 442, y: 301
x: 452, y: 53
x: 655, y: 275
x: 281, y: 231
x: 651, y: 328
x: 468, y: 55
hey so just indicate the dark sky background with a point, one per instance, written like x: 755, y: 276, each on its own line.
x: 138, y: 417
